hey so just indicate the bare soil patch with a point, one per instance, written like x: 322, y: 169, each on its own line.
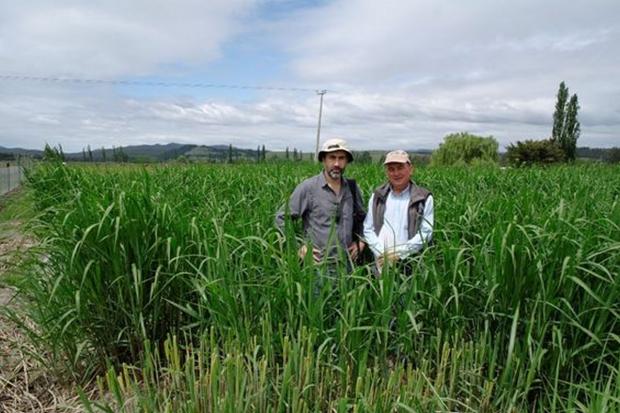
x: 25, y: 386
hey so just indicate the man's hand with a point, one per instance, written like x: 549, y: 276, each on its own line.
x: 355, y: 249
x: 390, y: 256
x: 303, y: 250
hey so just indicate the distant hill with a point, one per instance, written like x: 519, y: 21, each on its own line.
x: 593, y: 153
x: 220, y: 153
x: 144, y: 153
x: 19, y: 151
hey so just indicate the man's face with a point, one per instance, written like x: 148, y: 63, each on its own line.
x: 335, y: 163
x: 398, y: 174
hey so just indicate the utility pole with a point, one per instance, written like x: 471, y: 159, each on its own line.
x: 318, y: 129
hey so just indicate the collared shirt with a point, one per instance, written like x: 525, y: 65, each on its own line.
x: 327, y: 217
x: 394, y: 236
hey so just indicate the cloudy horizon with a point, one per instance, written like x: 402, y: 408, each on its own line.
x: 402, y: 74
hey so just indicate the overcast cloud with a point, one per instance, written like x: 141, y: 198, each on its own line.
x: 398, y: 73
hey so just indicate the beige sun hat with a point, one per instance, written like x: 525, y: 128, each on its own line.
x: 397, y: 156
x: 333, y: 145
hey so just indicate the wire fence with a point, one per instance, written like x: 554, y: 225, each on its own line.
x: 11, y: 176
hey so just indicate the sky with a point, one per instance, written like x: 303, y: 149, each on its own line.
x: 398, y: 73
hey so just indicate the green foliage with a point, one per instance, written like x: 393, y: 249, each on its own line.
x: 566, y: 126
x: 420, y: 159
x: 532, y: 152
x: 515, y: 307
x: 53, y: 154
x: 183, y: 159
x: 363, y: 157
x: 464, y: 148
x: 613, y: 155
x: 118, y: 155
x: 559, y: 113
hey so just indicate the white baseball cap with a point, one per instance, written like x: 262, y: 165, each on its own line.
x: 397, y: 156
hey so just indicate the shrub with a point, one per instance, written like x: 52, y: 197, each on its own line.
x: 613, y: 155
x: 464, y: 148
x: 532, y: 152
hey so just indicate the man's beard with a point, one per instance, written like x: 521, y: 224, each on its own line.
x: 335, y: 173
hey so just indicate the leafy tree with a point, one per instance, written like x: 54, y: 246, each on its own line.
x: 230, y: 153
x: 464, y: 149
x: 90, y: 154
x: 613, y: 155
x: 566, y: 127
x: 420, y: 159
x: 362, y: 157
x: 118, y: 155
x: 286, y: 153
x: 532, y: 152
x: 558, y: 114
x: 572, y: 129
x: 103, y: 155
x: 264, y: 154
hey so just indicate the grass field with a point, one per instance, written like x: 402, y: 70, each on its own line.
x: 171, y: 285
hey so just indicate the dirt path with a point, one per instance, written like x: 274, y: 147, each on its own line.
x: 12, y: 242
x: 24, y: 385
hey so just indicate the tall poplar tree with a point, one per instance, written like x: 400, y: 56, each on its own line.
x: 572, y: 129
x: 558, y: 115
x: 566, y: 127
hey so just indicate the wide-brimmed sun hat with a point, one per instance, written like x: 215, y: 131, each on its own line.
x: 333, y: 145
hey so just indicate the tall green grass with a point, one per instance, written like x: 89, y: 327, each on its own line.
x: 173, y: 282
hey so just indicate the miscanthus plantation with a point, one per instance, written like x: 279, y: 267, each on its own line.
x: 171, y: 286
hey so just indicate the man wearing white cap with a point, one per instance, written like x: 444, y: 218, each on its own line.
x: 400, y: 213
x: 329, y: 205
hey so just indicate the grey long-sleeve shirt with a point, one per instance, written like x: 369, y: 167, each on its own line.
x: 327, y: 217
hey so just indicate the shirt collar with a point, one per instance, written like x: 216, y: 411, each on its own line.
x: 402, y: 193
x: 323, y: 180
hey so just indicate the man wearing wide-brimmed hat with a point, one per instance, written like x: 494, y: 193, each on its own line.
x: 400, y: 214
x: 329, y: 205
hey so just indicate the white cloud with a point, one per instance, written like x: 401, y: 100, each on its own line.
x: 110, y: 38
x: 490, y: 67
x: 398, y: 73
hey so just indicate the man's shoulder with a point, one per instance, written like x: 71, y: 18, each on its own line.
x: 420, y: 194
x: 422, y: 190
x: 382, y: 190
x: 309, y: 183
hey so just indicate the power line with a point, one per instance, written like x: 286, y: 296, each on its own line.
x: 148, y: 83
